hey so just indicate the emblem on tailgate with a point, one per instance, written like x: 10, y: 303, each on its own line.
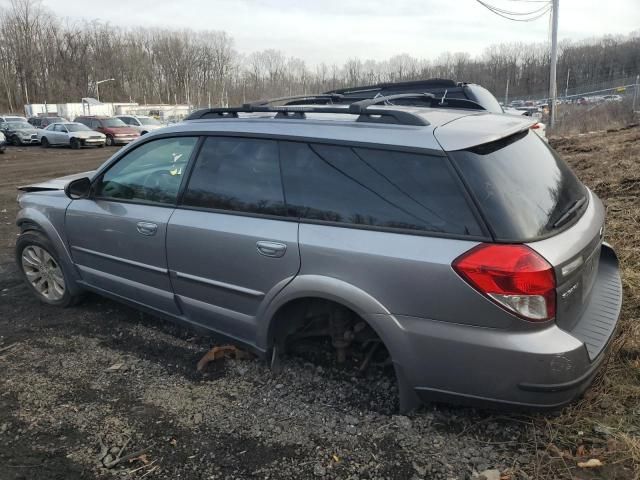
x: 571, y: 290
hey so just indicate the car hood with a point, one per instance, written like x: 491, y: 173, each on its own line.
x: 55, y: 183
x: 25, y: 131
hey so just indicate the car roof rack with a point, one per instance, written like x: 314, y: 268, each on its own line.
x: 425, y: 99
x: 428, y: 83
x: 329, y: 97
x: 365, y: 114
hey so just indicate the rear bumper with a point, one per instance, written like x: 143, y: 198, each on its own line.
x: 542, y: 368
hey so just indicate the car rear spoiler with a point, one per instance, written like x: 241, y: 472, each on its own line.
x: 478, y: 129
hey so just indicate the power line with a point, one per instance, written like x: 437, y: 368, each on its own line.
x: 509, y: 14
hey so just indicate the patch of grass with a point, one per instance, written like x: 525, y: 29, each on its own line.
x: 605, y: 424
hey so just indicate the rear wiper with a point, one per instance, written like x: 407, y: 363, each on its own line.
x: 575, y: 206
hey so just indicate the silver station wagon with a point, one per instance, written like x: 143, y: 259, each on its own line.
x: 453, y: 240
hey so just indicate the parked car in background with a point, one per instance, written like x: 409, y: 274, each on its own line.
x: 116, y: 131
x: 142, y: 123
x: 19, y: 132
x: 44, y: 122
x: 612, y: 98
x: 12, y: 118
x: 3, y: 142
x: 454, y: 241
x: 74, y: 135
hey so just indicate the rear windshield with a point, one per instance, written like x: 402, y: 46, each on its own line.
x: 523, y: 188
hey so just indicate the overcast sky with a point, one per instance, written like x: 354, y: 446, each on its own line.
x: 332, y: 31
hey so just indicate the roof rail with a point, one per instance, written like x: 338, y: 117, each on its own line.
x: 365, y: 115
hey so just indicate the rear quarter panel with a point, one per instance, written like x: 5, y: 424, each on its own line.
x: 407, y: 274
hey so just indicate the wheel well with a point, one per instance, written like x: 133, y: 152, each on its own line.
x: 317, y: 317
x: 27, y: 225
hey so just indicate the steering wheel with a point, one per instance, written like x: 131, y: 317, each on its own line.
x: 159, y: 185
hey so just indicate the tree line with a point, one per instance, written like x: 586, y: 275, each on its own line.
x: 44, y: 58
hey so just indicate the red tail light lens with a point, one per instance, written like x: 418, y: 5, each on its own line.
x: 513, y: 276
x: 535, y: 126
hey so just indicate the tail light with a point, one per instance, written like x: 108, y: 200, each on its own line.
x: 535, y: 126
x: 513, y: 276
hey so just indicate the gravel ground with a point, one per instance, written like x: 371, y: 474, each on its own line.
x: 82, y: 387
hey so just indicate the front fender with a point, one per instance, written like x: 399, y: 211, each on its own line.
x: 50, y: 222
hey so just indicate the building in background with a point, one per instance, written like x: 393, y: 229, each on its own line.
x: 91, y: 106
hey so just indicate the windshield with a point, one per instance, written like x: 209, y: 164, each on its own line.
x: 113, y: 122
x: 13, y: 119
x: 522, y: 187
x: 77, y: 127
x: 19, y: 125
x: 148, y: 121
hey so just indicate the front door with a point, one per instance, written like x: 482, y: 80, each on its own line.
x: 230, y: 247
x: 117, y: 237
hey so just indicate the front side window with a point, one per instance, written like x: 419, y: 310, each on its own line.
x: 150, y: 173
x: 375, y: 188
x: 237, y: 174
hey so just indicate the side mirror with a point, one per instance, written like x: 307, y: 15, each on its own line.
x: 78, y: 188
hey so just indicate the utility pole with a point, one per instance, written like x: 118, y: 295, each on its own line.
x: 506, y: 94
x: 635, y: 93
x: 566, y: 88
x: 553, y: 89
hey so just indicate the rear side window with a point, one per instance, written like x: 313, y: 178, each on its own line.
x: 523, y: 188
x: 374, y: 187
x: 237, y: 174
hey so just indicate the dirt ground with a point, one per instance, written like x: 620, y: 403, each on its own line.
x: 102, y: 380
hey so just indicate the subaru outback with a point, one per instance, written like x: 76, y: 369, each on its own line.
x: 455, y: 241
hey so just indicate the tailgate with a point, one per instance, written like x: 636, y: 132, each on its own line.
x: 588, y: 292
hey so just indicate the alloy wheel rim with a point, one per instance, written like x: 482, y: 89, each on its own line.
x: 43, y: 272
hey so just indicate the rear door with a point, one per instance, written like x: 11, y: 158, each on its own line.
x: 230, y: 246
x: 117, y: 237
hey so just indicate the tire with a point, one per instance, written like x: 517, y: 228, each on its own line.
x: 44, y: 142
x: 16, y: 141
x: 42, y: 271
x: 75, y: 143
x: 109, y: 141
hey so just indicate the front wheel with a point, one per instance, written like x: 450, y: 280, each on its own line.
x: 42, y: 270
x: 44, y: 142
x: 16, y: 141
x: 109, y: 141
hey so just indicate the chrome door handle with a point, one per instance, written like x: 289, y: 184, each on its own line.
x: 147, y: 228
x: 271, y: 249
